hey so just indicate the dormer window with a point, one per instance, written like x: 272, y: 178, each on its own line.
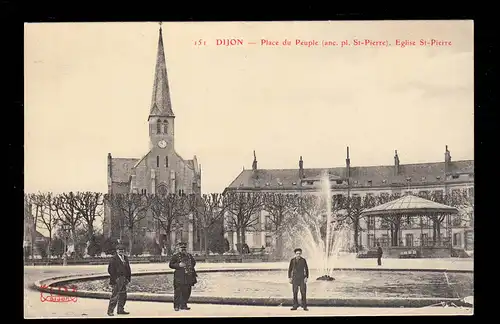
x: 423, y: 179
x: 370, y: 182
x: 455, y: 176
x: 355, y: 181
x: 438, y: 177
x: 384, y: 181
x: 241, y: 184
x: 280, y: 184
x: 267, y: 184
x: 294, y: 183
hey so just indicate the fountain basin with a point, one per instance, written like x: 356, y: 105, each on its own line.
x: 271, y: 288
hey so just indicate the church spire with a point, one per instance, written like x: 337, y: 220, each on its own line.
x: 160, y: 102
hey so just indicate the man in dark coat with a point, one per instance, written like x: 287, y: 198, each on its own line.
x: 379, y: 254
x: 119, y: 278
x: 298, y: 272
x: 184, y: 276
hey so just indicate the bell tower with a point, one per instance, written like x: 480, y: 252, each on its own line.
x: 161, y: 117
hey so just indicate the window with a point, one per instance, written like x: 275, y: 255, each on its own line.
x: 158, y: 127
x: 157, y: 161
x: 457, y: 239
x: 455, y: 176
x: 269, y: 241
x: 409, y: 240
x: 339, y: 181
x: 424, y: 239
x: 165, y: 127
x: 166, y: 161
x: 370, y: 182
x: 371, y: 240
x: 371, y: 222
x: 269, y: 223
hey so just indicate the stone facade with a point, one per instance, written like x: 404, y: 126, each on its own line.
x: 161, y: 169
x: 445, y: 176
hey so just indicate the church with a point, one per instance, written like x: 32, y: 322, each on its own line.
x: 160, y: 170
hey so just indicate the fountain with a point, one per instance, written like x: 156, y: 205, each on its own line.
x: 321, y: 249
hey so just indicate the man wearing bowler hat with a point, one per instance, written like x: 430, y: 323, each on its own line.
x: 119, y: 278
x: 184, y: 276
x: 298, y: 272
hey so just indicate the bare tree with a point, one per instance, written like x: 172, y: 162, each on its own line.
x: 280, y: 208
x: 209, y: 209
x: 242, y: 209
x: 131, y: 208
x: 89, y: 206
x: 66, y: 214
x: 46, y: 219
x: 36, y: 200
x: 168, y: 209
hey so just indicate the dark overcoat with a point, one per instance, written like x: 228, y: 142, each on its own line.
x: 298, y: 270
x: 184, y: 275
x: 117, y: 268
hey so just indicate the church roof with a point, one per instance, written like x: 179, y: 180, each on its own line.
x: 121, y: 169
x: 160, y: 101
x: 362, y: 176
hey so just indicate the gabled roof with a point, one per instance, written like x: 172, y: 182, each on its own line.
x: 409, y: 205
x: 121, y: 169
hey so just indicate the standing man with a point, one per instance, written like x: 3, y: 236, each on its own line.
x: 119, y: 278
x: 298, y: 272
x: 184, y: 276
x: 379, y: 254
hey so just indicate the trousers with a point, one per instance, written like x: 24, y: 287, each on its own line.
x: 181, y: 295
x: 379, y: 260
x: 118, y: 295
x: 303, y: 293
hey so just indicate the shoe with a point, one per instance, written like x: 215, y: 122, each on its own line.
x: 293, y: 308
x: 122, y: 312
x: 111, y: 314
x: 176, y: 309
x: 306, y: 309
x: 185, y: 308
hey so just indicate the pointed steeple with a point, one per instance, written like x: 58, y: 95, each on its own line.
x: 160, y: 102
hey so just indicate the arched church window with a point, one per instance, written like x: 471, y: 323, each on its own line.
x: 166, y: 161
x: 165, y: 127
x: 158, y: 127
x: 157, y: 161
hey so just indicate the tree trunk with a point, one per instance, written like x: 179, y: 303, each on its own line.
x: 438, y: 230
x: 168, y: 230
x: 434, y: 234
x: 48, y: 247
x: 279, y: 244
x: 205, y: 240
x: 243, y: 236
x: 130, y: 239
x: 238, y: 240
x: 356, y: 234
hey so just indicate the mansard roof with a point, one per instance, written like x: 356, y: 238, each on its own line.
x: 362, y: 176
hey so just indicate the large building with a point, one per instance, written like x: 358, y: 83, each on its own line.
x: 442, y: 177
x: 161, y: 169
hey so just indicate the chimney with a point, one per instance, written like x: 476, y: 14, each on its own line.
x: 301, y: 168
x: 254, y: 164
x: 348, y: 164
x: 396, y: 163
x: 447, y: 159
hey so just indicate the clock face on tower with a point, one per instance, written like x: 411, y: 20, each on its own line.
x: 162, y: 144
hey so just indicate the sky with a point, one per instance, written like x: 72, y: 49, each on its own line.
x: 88, y: 90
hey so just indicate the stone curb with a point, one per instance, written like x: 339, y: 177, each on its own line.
x: 43, y: 286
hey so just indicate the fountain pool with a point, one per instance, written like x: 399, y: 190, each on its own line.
x: 274, y: 284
